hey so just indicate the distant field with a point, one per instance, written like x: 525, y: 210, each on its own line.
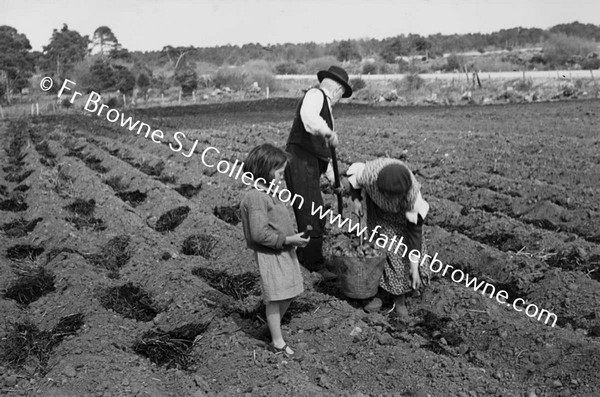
x: 545, y: 74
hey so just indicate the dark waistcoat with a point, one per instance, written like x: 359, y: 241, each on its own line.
x: 314, y: 144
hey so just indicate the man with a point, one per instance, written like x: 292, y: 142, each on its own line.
x: 309, y: 143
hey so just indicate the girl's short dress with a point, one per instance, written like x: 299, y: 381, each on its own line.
x: 279, y: 275
x: 266, y: 222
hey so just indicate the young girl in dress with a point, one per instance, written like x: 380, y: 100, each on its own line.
x: 269, y: 231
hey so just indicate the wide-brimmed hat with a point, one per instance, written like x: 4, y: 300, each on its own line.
x: 338, y: 74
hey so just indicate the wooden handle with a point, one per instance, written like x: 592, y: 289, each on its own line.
x: 336, y: 176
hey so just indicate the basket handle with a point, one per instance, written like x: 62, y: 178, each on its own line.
x: 359, y: 225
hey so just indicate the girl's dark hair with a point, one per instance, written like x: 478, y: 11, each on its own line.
x: 263, y: 159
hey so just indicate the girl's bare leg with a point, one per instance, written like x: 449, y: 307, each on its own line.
x: 284, y: 305
x: 273, y: 313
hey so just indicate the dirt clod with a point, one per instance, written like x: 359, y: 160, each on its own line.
x: 116, y: 183
x: 188, y: 190
x: 20, y: 227
x: 82, y: 207
x: 238, y: 287
x: 171, y: 219
x: 129, y: 301
x: 18, y: 178
x: 199, y: 244
x: 231, y: 214
x: 153, y: 170
x: 114, y: 255
x: 134, y: 198
x: 170, y: 348
x: 24, y: 340
x: 23, y: 251
x: 94, y: 164
x: 31, y: 286
x: 14, y: 204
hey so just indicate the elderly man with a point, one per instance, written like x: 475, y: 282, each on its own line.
x: 309, y: 143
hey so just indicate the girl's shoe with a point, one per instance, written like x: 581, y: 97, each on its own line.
x: 285, y: 350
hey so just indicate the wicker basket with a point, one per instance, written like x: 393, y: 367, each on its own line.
x: 359, y: 277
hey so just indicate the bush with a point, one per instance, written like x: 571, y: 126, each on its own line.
x: 370, y: 68
x: 232, y: 77
x: 322, y: 63
x: 454, y: 62
x: 264, y: 78
x: 357, y: 84
x: 143, y: 82
x: 411, y: 82
x: 204, y: 68
x: 384, y: 68
x: 538, y: 59
x: 403, y: 66
x: 486, y: 64
x: 591, y: 64
x: 261, y: 72
x: 102, y: 76
x: 560, y: 49
x: 287, y: 68
x: 187, y: 79
x: 240, y: 78
x: 115, y: 103
x: 524, y: 85
x: 375, y: 68
x: 162, y: 82
x: 124, y: 80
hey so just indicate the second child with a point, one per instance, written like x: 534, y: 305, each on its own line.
x: 269, y: 232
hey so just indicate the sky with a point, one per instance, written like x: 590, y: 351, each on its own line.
x: 148, y: 25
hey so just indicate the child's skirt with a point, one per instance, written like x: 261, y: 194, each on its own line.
x: 280, y: 275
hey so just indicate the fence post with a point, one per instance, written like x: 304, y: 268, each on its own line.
x: 593, y: 79
x: 2, y: 111
x: 124, y: 100
x: 268, y: 90
x: 37, y: 108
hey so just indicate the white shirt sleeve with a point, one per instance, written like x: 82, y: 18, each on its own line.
x: 310, y: 113
x: 421, y: 207
x: 354, y: 173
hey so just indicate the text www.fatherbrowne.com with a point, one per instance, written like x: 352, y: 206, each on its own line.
x: 457, y: 275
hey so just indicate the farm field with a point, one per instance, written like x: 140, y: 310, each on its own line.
x: 116, y: 251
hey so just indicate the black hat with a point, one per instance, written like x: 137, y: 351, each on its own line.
x: 394, y: 179
x: 338, y: 74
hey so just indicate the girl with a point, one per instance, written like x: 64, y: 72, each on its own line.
x: 269, y: 231
x: 394, y: 202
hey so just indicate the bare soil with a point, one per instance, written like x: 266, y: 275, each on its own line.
x: 134, y: 278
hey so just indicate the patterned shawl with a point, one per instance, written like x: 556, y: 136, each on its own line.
x: 364, y: 176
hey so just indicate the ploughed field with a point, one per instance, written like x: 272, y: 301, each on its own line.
x: 124, y: 271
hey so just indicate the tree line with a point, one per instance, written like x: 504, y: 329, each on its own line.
x: 101, y: 64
